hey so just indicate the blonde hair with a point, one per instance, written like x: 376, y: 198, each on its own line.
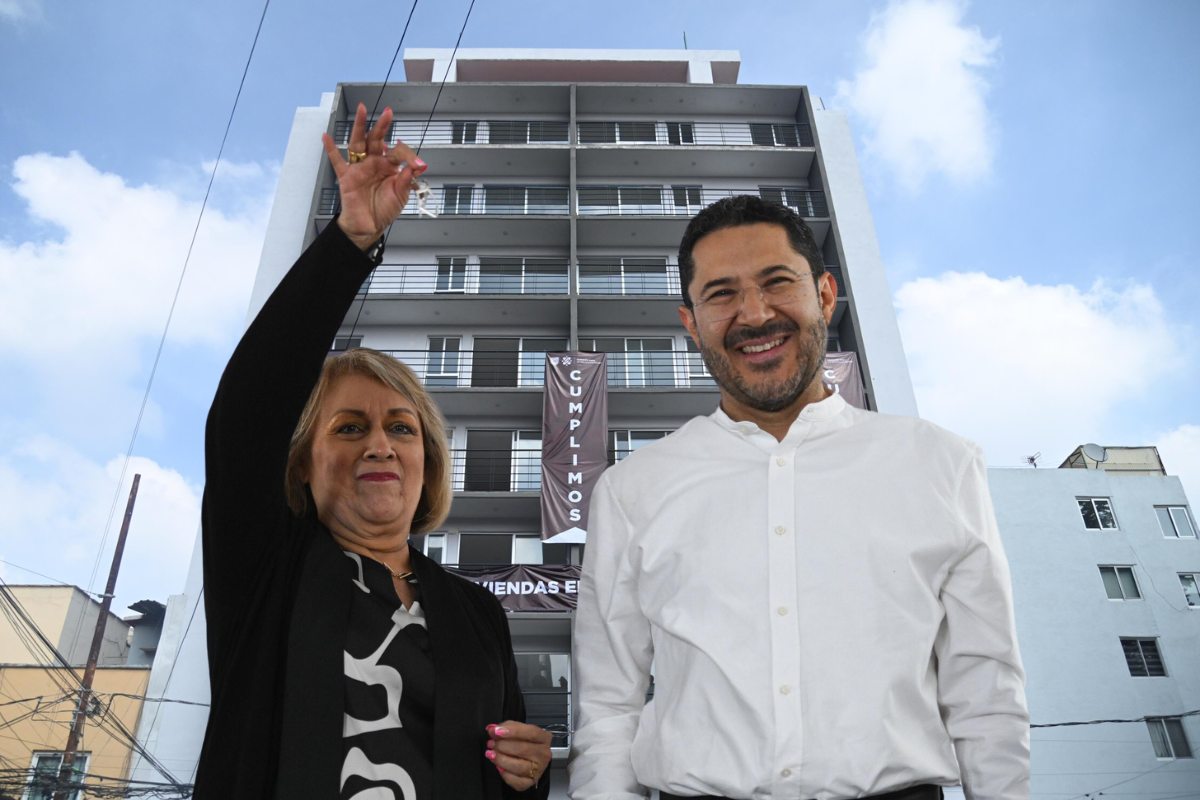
x: 436, y: 495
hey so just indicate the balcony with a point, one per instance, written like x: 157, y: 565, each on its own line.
x: 503, y: 200
x: 628, y: 277
x: 508, y: 275
x: 695, y: 134
x: 496, y: 470
x: 468, y: 132
x: 685, y: 201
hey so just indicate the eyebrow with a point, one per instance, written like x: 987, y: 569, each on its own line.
x: 762, y: 273
x: 391, y: 411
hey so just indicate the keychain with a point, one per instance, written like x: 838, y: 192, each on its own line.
x: 423, y: 192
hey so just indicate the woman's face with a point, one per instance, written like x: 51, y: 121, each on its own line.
x: 367, y: 466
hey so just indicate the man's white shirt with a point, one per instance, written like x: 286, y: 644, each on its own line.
x: 829, y: 616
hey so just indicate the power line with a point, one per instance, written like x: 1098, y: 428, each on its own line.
x: 395, y: 55
x: 1107, y: 721
x: 174, y: 301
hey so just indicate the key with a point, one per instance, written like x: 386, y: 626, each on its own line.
x: 423, y: 192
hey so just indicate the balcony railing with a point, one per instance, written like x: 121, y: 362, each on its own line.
x: 486, y: 369
x: 468, y: 132
x: 496, y: 470
x: 688, y: 200
x: 551, y: 710
x: 493, y: 276
x: 472, y: 200
x: 630, y: 277
x: 685, y: 134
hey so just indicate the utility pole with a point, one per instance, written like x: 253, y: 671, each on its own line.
x: 65, y: 776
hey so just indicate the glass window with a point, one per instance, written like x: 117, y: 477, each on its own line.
x: 507, y: 132
x: 1097, y: 513
x: 504, y: 199
x: 547, y: 132
x: 1120, y: 583
x: 463, y: 132
x: 1191, y: 588
x: 637, y: 131
x: 547, y: 200
x: 687, y: 199
x: 457, y: 199
x: 1142, y: 658
x: 1128, y: 583
x: 1169, y: 738
x: 1112, y: 586
x: 444, y: 360
x: 545, y: 681
x: 599, y: 199
x: 347, y: 342
x: 527, y: 460
x: 480, y: 549
x: 1176, y: 522
x: 451, y: 274
x: 435, y: 547
x: 597, y: 132
x: 681, y: 133
x: 527, y: 550
x: 44, y: 780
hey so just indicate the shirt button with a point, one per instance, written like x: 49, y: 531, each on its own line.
x: 781, y: 462
x: 779, y: 529
x: 784, y: 689
x: 781, y: 611
x: 787, y: 773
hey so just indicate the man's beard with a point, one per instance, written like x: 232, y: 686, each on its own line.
x: 777, y: 395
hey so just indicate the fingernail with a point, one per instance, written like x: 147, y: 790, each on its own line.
x: 500, y: 768
x: 501, y: 731
x: 419, y: 164
x: 491, y: 744
x: 490, y: 754
x: 493, y: 725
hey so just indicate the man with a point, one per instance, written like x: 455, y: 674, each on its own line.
x: 821, y: 589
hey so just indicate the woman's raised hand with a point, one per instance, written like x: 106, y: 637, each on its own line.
x: 521, y: 752
x: 375, y: 189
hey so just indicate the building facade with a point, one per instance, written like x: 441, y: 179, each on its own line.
x: 1105, y: 567
x: 562, y: 183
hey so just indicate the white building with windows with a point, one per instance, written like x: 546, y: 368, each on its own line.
x: 1105, y: 564
x: 563, y: 181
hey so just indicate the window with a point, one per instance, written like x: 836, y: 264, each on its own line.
x: 1142, y: 657
x: 457, y: 199
x: 635, y: 362
x: 507, y: 132
x: 622, y: 443
x: 516, y: 275
x: 681, y: 133
x: 44, y: 779
x: 597, y: 132
x: 1191, y: 588
x: 1120, y: 584
x: 444, y: 360
x: 1176, y: 522
x: 800, y: 200
x: 525, y: 199
x: 687, y: 199
x: 527, y: 461
x: 435, y: 547
x: 463, y: 132
x: 347, y: 342
x: 698, y: 374
x: 484, y: 549
x: 527, y: 550
x: 1097, y: 512
x: 637, y: 131
x: 625, y: 276
x: 621, y: 200
x: 545, y: 681
x: 1169, y: 738
x: 451, y: 274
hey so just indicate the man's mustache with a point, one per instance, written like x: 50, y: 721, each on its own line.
x: 779, y: 326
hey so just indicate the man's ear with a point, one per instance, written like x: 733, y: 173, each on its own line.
x: 688, y: 317
x: 827, y: 289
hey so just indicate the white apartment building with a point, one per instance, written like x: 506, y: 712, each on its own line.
x: 563, y: 181
x: 1105, y: 567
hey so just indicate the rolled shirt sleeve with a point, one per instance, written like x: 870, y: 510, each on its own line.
x: 981, y: 683
x: 613, y: 655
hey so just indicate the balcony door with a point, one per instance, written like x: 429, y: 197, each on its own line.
x: 634, y: 363
x: 533, y: 359
x: 799, y: 199
x: 526, y: 461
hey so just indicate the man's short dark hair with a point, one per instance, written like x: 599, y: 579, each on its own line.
x: 745, y: 209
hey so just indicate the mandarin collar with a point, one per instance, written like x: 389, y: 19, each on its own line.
x: 813, y: 412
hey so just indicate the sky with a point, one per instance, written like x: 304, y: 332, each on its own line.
x: 1031, y: 169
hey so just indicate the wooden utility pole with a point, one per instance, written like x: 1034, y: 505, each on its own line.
x: 65, y: 777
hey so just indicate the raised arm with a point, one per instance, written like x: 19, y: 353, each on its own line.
x: 981, y: 683
x: 613, y: 655
x: 272, y: 372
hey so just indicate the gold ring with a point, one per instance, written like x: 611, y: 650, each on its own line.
x: 355, y: 157
x: 533, y: 770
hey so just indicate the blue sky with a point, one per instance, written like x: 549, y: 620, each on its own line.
x: 1031, y: 168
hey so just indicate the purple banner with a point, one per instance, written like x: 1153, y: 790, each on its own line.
x: 842, y: 375
x: 526, y: 587
x: 574, y: 441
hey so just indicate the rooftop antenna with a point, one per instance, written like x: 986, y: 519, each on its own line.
x: 685, y: 40
x: 1095, y: 452
x: 1032, y: 460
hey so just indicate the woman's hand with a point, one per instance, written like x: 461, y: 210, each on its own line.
x: 374, y: 190
x: 521, y: 752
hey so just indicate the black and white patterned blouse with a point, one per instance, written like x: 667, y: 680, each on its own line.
x: 388, y: 725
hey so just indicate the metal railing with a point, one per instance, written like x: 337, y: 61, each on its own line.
x: 487, y: 369
x: 688, y: 200
x: 472, y: 200
x: 509, y: 276
x: 496, y: 470
x: 836, y: 273
x: 687, y: 134
x: 629, y: 278
x: 551, y: 710
x: 468, y: 132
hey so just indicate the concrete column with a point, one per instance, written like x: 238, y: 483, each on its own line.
x: 440, y: 73
x: 700, y: 72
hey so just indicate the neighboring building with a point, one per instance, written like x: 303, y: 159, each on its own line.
x: 563, y: 181
x: 39, y: 700
x: 1105, y: 567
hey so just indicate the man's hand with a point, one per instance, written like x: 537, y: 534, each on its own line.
x: 521, y: 752
x: 374, y: 190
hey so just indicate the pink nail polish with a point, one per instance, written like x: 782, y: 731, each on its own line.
x: 491, y: 754
x: 501, y: 731
x: 500, y: 768
x: 419, y: 164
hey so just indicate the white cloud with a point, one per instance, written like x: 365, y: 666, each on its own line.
x: 921, y: 92
x: 21, y: 9
x: 110, y: 276
x: 1180, y: 451
x: 56, y: 505
x: 1022, y: 368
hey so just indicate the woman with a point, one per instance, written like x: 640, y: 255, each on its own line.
x: 343, y: 663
